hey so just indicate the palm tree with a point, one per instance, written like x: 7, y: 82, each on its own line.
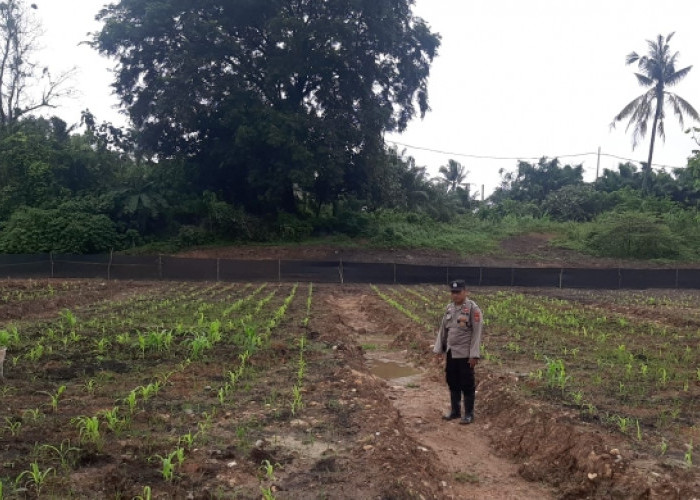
x: 657, y: 71
x: 454, y: 174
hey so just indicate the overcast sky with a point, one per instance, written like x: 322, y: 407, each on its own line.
x: 513, y: 79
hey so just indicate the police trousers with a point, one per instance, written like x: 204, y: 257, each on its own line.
x: 460, y: 377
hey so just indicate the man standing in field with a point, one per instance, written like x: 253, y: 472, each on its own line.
x: 459, y: 338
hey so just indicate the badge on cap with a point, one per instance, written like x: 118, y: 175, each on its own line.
x: 457, y: 285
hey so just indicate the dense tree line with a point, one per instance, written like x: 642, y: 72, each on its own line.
x: 256, y: 120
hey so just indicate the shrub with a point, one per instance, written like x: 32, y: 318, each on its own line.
x: 632, y: 235
x: 33, y: 230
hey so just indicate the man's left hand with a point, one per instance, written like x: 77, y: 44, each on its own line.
x: 473, y: 362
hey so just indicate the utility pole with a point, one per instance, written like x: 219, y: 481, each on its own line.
x: 597, y: 167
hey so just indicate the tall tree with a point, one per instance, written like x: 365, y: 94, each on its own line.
x: 24, y: 87
x: 657, y: 71
x: 534, y: 181
x: 454, y: 174
x: 270, y: 97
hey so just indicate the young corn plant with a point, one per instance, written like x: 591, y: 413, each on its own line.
x: 297, y: 402
x: 146, y: 495
x: 14, y: 426
x: 555, y: 373
x: 89, y: 428
x: 55, y: 398
x: 131, y: 401
x: 35, y: 477
x: 305, y: 321
x: 65, y: 453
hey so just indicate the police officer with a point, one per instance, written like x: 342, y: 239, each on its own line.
x: 459, y: 338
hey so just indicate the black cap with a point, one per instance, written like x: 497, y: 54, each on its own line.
x: 457, y: 285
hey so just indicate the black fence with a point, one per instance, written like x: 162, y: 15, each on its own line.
x: 124, y: 267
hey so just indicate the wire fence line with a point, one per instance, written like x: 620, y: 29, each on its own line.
x: 161, y: 267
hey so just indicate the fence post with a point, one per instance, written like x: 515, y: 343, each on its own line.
x: 51, y: 261
x: 109, y: 264
x: 340, y: 271
x: 619, y: 278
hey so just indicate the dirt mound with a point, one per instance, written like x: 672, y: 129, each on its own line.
x: 525, y: 250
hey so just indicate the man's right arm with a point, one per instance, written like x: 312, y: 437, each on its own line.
x: 440, y: 341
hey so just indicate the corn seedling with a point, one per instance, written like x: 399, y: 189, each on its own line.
x: 663, y: 446
x: 90, y: 386
x: 35, y: 353
x: 131, y: 400
x: 13, y: 426
x: 555, y: 373
x: 167, y: 469
x: 688, y: 456
x: 56, y: 397
x: 33, y: 414
x: 578, y: 397
x: 89, y: 428
x: 62, y: 452
x: 146, y: 494
x: 114, y: 423
x: 622, y: 423
x: 68, y: 319
x: 102, y: 345
x: 267, y: 493
x: 269, y: 469
x: 297, y: 403
x: 639, y: 431
x: 187, y: 439
x: 36, y: 477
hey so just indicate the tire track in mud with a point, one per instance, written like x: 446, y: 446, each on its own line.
x: 472, y: 469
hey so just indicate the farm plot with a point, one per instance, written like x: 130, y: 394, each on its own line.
x: 177, y: 390
x: 628, y: 362
x: 220, y: 390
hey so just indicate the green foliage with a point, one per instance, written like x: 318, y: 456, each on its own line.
x: 577, y: 202
x: 632, y: 235
x: 533, y: 182
x: 33, y: 230
x: 249, y: 92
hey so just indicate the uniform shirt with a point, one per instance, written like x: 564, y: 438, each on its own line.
x: 460, y: 331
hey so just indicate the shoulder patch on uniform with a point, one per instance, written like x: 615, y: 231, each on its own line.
x: 477, y: 316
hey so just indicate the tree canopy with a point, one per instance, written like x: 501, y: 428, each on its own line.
x: 270, y: 98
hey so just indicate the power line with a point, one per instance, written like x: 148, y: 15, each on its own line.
x: 485, y: 157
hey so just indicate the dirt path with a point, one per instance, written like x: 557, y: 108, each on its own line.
x: 473, y: 469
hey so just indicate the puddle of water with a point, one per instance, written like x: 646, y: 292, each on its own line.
x: 390, y: 370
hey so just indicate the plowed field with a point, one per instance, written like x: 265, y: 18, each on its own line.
x: 271, y: 390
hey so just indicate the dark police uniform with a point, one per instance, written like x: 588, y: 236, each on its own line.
x: 459, y: 337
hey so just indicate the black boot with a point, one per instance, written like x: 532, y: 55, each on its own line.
x: 455, y: 397
x: 468, y: 417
